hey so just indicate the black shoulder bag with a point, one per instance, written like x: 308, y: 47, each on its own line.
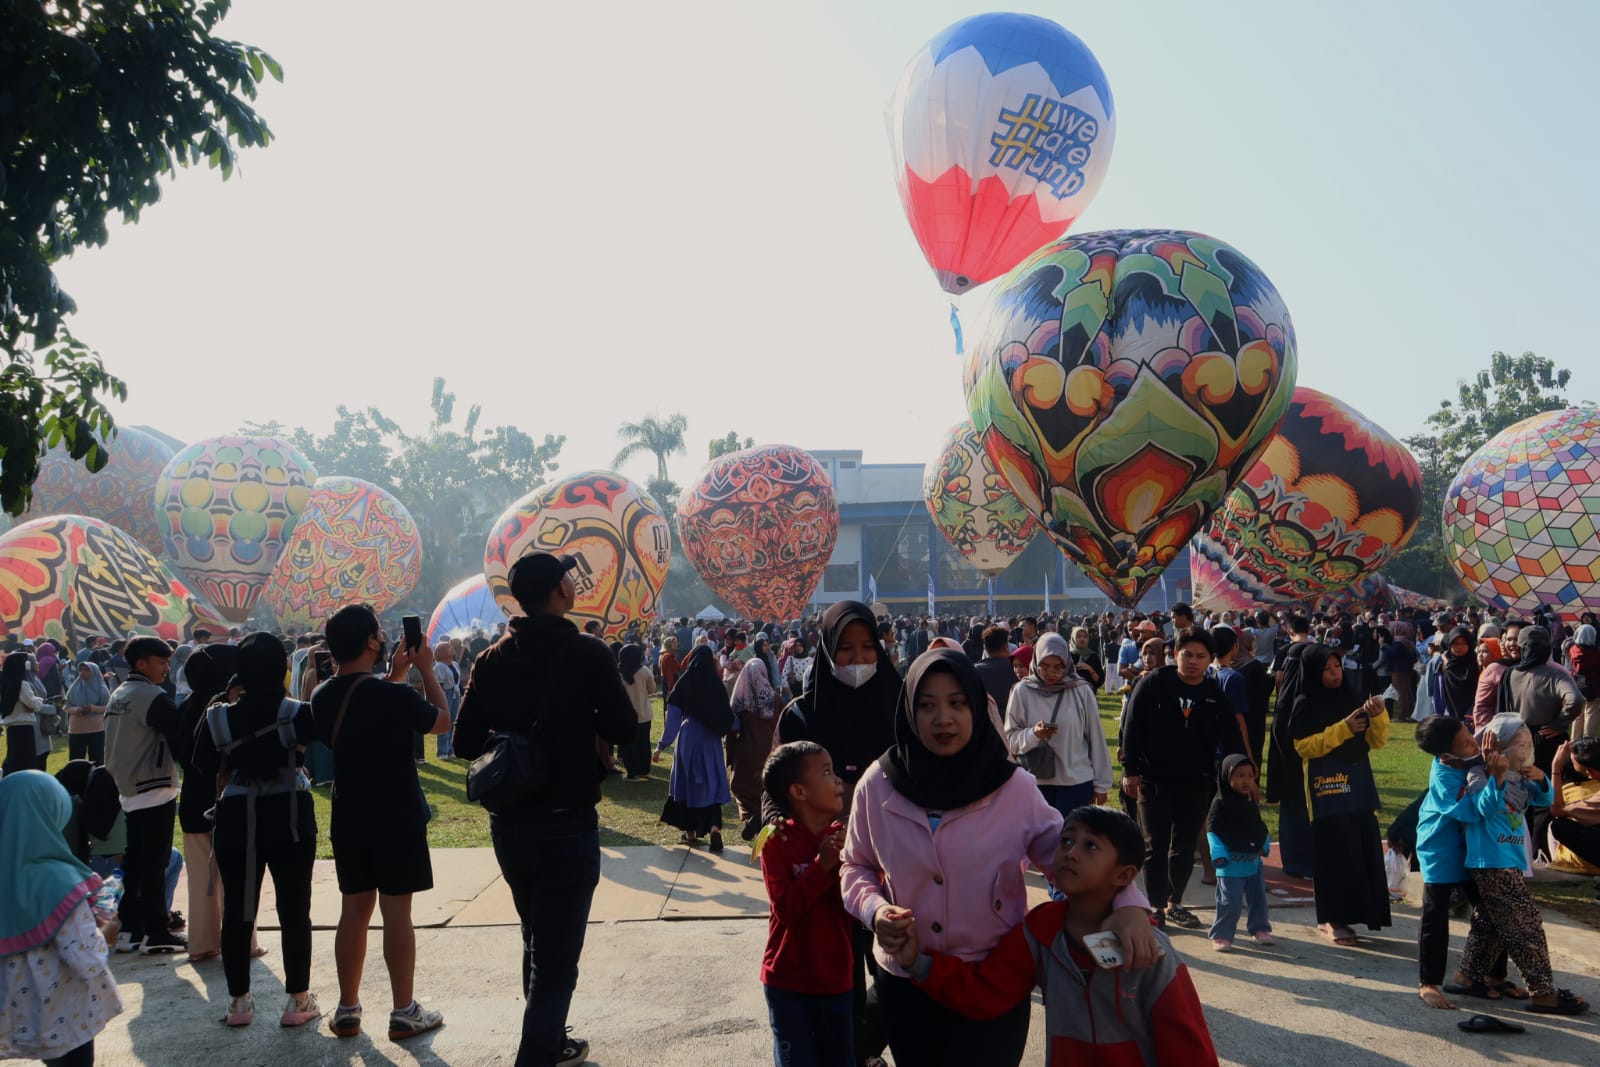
x: 514, y: 766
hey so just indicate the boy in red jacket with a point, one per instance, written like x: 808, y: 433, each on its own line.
x: 806, y: 968
x: 1105, y: 1018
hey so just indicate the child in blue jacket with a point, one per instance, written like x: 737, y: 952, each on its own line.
x: 1442, y: 854
x: 1494, y: 812
x: 1238, y: 839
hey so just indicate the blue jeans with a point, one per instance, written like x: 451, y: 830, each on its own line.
x: 811, y: 1029
x: 1247, y: 894
x: 1064, y: 798
x: 551, y: 863
x: 442, y: 741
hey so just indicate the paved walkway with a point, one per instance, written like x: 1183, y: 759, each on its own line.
x: 670, y: 977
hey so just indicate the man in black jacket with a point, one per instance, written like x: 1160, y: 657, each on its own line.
x: 1178, y: 723
x: 565, y: 686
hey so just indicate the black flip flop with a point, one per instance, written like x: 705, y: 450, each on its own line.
x: 1566, y: 1004
x: 1488, y: 1024
x: 1480, y: 990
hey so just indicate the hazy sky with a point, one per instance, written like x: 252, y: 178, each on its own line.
x: 583, y: 213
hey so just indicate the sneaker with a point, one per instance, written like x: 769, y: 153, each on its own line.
x: 126, y: 942
x: 716, y: 841
x: 300, y: 1012
x: 176, y: 922
x: 637, y: 778
x: 1182, y: 916
x: 413, y: 1021
x: 163, y: 944
x: 1221, y: 944
x: 346, y: 1022
x: 241, y: 1010
x: 574, y: 1051
x: 1160, y: 915
x: 1265, y: 938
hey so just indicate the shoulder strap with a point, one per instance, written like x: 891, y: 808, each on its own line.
x: 1056, y: 710
x: 344, y: 706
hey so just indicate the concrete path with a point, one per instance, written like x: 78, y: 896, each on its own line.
x: 670, y: 977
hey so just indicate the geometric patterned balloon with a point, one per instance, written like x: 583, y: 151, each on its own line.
x: 611, y: 526
x: 1520, y: 518
x: 67, y: 577
x: 227, y: 506
x: 464, y: 608
x: 1125, y: 382
x: 1001, y: 129
x: 973, y: 506
x: 354, y: 544
x: 1331, y: 500
x: 759, y: 527
x: 119, y: 494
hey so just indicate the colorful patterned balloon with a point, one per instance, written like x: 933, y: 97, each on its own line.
x: 1209, y: 587
x: 67, y: 577
x: 618, y: 534
x: 354, y: 544
x: 466, y: 607
x: 1001, y: 128
x: 227, y: 507
x: 119, y: 494
x: 1331, y: 500
x: 1520, y: 519
x: 1126, y: 381
x: 759, y: 527
x: 974, y: 507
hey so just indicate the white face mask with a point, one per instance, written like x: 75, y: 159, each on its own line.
x: 856, y: 675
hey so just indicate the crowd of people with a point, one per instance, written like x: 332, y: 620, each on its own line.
x: 896, y: 777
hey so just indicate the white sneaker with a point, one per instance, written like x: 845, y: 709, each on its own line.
x: 413, y: 1021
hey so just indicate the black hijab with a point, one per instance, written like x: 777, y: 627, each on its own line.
x: 1317, y: 707
x: 1460, y: 675
x: 700, y: 694
x: 1534, y: 644
x: 629, y: 660
x: 12, y: 674
x: 944, y: 783
x: 856, y: 726
x: 1234, y: 817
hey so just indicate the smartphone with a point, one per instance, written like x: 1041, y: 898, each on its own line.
x: 412, y: 625
x: 324, y: 660
x: 1105, y: 947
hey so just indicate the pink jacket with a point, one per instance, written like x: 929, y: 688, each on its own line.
x: 1488, y: 690
x: 964, y: 882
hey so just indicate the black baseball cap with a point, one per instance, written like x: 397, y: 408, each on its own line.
x: 536, y: 575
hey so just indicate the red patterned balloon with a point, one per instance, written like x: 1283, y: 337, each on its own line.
x: 612, y: 526
x: 759, y: 527
x: 118, y: 494
x: 973, y: 506
x: 69, y: 577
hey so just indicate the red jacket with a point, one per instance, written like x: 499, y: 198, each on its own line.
x: 808, y: 933
x: 1145, y: 1018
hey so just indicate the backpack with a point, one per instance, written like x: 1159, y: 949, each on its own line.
x: 289, y: 779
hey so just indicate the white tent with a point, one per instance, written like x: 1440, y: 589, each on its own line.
x: 710, y: 614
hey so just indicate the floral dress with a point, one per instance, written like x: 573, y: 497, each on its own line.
x: 58, y: 995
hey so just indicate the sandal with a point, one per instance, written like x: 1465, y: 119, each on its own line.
x: 1509, y: 991
x: 1481, y: 990
x: 1488, y: 1024
x: 257, y: 952
x: 1339, y: 935
x: 201, y: 957
x: 1566, y: 1004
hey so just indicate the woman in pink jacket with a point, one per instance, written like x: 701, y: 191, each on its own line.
x: 939, y: 830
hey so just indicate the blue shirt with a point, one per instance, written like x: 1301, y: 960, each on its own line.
x: 1495, y: 833
x: 1441, y: 839
x: 1236, y: 864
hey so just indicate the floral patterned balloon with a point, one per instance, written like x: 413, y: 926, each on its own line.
x: 973, y: 506
x: 117, y: 494
x: 1125, y: 382
x: 227, y: 507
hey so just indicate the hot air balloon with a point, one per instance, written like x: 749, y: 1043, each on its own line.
x: 466, y: 607
x: 973, y: 506
x: 70, y: 577
x: 1209, y: 586
x: 354, y: 544
x: 1520, y: 518
x: 1001, y: 129
x: 613, y: 528
x: 227, y: 506
x: 118, y: 494
x: 1331, y: 500
x: 1126, y: 381
x: 759, y: 527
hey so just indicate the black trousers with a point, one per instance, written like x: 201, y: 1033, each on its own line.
x: 1172, y: 814
x: 1583, y: 841
x: 21, y: 740
x: 924, y: 1033
x: 144, y: 865
x: 290, y: 862
x: 87, y: 746
x: 866, y: 1016
x: 1433, y: 935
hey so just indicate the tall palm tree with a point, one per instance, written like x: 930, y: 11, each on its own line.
x: 662, y: 437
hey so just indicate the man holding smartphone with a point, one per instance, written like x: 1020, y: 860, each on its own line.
x: 380, y: 817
